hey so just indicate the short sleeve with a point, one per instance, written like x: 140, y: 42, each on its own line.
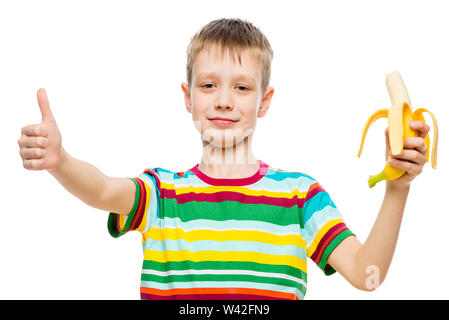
x: 144, y: 209
x: 324, y: 227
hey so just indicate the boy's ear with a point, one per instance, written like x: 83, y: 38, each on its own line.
x: 265, y: 103
x: 187, y: 97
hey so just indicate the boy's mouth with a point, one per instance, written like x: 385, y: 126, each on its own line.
x: 222, y: 121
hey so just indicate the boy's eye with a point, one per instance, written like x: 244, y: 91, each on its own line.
x: 210, y: 85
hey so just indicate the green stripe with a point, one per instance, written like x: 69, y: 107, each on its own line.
x: 224, y: 265
x: 111, y: 223
x: 226, y: 210
x: 223, y: 277
x: 339, y: 238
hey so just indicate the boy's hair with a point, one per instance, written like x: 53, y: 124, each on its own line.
x: 233, y: 35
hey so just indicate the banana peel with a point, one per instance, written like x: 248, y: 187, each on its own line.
x: 399, y: 117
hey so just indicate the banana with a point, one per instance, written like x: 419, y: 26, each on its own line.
x: 399, y: 117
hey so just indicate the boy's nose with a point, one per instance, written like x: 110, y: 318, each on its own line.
x: 224, y: 106
x: 224, y: 100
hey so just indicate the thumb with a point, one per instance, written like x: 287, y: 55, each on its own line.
x: 44, y: 105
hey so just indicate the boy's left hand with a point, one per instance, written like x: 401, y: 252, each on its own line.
x: 413, y: 156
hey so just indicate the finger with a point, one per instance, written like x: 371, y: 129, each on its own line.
x: 33, y: 164
x: 417, y: 143
x: 387, y: 144
x: 34, y: 130
x: 409, y: 167
x: 32, y: 153
x: 421, y: 127
x: 412, y: 156
x: 44, y: 105
x: 33, y: 142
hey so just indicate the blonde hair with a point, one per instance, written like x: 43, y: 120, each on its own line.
x: 233, y: 35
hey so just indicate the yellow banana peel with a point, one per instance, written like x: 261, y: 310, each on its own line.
x: 399, y: 117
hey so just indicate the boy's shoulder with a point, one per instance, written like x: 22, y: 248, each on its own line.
x: 287, y: 173
x: 302, y: 180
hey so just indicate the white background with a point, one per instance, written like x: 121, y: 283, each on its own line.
x: 113, y: 72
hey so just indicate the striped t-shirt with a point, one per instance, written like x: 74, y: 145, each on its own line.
x: 249, y: 238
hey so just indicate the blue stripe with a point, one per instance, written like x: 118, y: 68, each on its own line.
x: 243, y: 246
x: 319, y: 219
x: 317, y: 203
x: 228, y: 225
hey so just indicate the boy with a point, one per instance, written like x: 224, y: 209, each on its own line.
x: 231, y: 227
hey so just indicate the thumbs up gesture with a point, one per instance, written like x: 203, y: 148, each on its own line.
x: 41, y: 144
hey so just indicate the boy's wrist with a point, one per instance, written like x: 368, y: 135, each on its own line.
x: 390, y: 188
x: 63, y: 158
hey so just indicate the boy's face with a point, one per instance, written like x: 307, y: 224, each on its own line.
x: 223, y: 88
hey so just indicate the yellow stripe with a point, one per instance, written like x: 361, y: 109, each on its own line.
x: 182, y: 255
x: 238, y: 189
x: 321, y: 234
x: 231, y: 235
x: 121, y: 222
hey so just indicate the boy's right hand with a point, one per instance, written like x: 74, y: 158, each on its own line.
x: 41, y: 144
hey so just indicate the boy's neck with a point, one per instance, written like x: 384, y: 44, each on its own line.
x: 235, y: 162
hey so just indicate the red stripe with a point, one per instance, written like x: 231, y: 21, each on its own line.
x: 138, y: 215
x: 313, y: 190
x: 116, y: 224
x: 263, y: 168
x: 230, y: 196
x: 147, y: 296
x: 116, y: 221
x: 180, y: 174
x: 155, y: 175
x: 326, y: 240
x: 139, y: 204
x: 224, y: 291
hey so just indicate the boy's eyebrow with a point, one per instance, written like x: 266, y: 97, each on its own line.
x: 239, y: 76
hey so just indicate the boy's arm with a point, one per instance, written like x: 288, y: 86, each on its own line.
x: 90, y: 185
x: 365, y: 266
x: 41, y: 149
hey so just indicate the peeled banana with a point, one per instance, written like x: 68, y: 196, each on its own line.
x: 399, y: 117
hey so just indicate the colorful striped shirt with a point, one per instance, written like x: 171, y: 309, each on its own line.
x: 249, y: 238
